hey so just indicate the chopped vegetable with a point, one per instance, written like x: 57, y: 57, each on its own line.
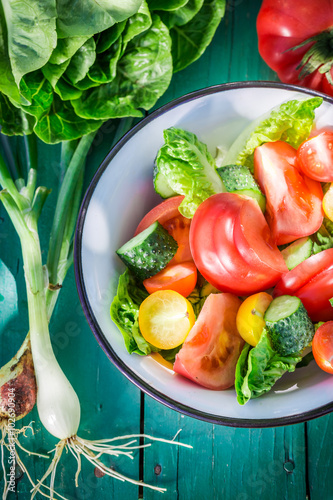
x: 188, y: 168
x: 165, y: 318
x: 259, y: 368
x: 250, y: 317
x: 322, y: 347
x: 181, y: 278
x: 288, y: 325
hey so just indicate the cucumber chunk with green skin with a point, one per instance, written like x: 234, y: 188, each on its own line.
x: 148, y: 252
x: 288, y: 325
x: 298, y: 251
x: 238, y: 179
x: 161, y: 184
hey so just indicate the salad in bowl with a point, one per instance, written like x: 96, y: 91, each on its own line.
x: 217, y: 300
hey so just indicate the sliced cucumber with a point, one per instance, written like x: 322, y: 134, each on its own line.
x: 161, y: 184
x: 148, y: 252
x: 288, y: 325
x: 298, y: 251
x: 238, y: 179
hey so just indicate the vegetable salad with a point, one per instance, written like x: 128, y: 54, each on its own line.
x: 230, y: 277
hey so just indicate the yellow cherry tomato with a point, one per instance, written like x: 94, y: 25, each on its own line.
x: 165, y: 319
x: 250, y: 317
x: 328, y: 202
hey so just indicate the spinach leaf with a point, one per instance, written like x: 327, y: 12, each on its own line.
x: 53, y: 72
x: 60, y: 123
x: 105, y: 68
x: 13, y: 120
x: 166, y: 4
x: 183, y: 15
x: 190, y: 40
x: 81, y: 61
x: 66, y: 48
x: 143, y: 74
x: 108, y: 37
x: 7, y: 83
x: 31, y: 34
x: 188, y: 168
x: 258, y: 369
x: 137, y: 23
x: 124, y: 313
x: 89, y: 17
x: 66, y: 90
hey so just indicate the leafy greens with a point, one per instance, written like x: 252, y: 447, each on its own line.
x: 291, y: 122
x: 188, y: 168
x: 66, y: 68
x: 258, y: 369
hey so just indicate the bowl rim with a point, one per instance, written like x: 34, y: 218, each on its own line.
x: 83, y: 296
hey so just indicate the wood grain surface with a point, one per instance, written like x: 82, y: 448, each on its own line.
x: 285, y: 463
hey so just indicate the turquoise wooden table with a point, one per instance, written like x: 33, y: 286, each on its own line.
x: 293, y: 462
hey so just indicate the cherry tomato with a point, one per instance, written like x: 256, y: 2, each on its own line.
x: 167, y: 214
x: 231, y: 256
x: 181, y: 278
x: 250, y: 317
x: 328, y: 203
x: 211, y: 349
x: 322, y: 347
x: 165, y: 318
x: 312, y: 282
x: 282, y: 26
x: 293, y: 201
x: 315, y: 157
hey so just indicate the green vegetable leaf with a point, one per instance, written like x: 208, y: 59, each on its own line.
x: 13, y: 120
x: 38, y: 91
x: 104, y: 70
x: 143, y: 74
x: 31, y: 34
x: 183, y: 15
x: 61, y: 123
x: 258, y: 369
x: 66, y: 48
x: 81, y: 61
x: 190, y: 40
x: 105, y: 39
x: 7, y: 83
x: 89, y: 17
x: 53, y: 72
x: 125, y: 313
x: 188, y: 168
x: 323, y: 238
x: 291, y: 122
x: 66, y: 90
x: 166, y: 4
x: 136, y: 24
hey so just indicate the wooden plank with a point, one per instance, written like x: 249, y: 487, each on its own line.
x: 110, y: 404
x: 320, y: 460
x: 226, y: 462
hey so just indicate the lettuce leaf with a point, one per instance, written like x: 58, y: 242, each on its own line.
x: 291, y: 122
x: 189, y: 169
x: 323, y: 238
x: 124, y: 313
x: 259, y: 368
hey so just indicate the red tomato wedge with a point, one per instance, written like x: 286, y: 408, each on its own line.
x: 322, y: 347
x: 214, y: 246
x: 167, y: 214
x: 315, y: 157
x: 181, y: 278
x: 293, y: 201
x: 210, y: 352
x: 312, y: 282
x: 254, y: 241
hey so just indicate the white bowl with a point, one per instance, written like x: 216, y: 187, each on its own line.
x: 121, y: 193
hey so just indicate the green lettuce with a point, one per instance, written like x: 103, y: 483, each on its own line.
x: 188, y: 168
x: 125, y: 313
x: 258, y: 369
x: 291, y: 122
x: 323, y: 238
